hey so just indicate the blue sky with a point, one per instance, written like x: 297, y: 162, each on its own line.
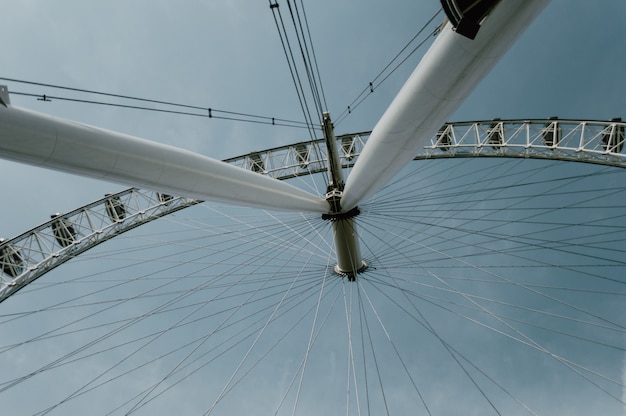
x: 227, y: 56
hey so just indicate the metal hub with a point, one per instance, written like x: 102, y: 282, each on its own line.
x: 349, y: 261
x: 351, y: 275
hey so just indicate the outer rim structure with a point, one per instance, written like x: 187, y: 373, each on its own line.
x: 30, y: 255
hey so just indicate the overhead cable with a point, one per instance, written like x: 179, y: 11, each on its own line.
x: 306, y: 57
x: 317, y: 71
x: 293, y: 68
x: 385, y: 73
x: 312, y: 100
x: 206, y: 112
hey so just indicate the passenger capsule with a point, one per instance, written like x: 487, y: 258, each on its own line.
x: 495, y: 134
x: 302, y: 155
x: 63, y: 230
x: 256, y: 163
x: 115, y: 208
x: 11, y: 260
x: 164, y: 198
x: 613, y: 137
x: 347, y: 147
x: 444, y: 139
x: 552, y: 133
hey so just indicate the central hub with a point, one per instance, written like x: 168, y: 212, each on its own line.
x: 349, y: 262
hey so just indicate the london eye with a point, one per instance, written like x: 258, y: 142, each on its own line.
x: 483, y: 276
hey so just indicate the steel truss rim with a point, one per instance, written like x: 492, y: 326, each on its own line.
x: 454, y: 140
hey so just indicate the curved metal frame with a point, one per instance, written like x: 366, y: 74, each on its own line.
x: 600, y: 142
x: 30, y: 255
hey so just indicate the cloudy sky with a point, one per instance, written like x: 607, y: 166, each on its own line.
x: 227, y: 56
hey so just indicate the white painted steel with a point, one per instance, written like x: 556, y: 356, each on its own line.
x: 33, y: 253
x: 45, y: 141
x: 444, y: 78
x: 349, y: 260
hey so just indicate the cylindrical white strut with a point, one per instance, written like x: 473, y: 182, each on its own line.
x: 51, y: 142
x: 349, y: 262
x: 446, y: 75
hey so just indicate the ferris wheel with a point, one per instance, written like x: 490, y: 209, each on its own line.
x: 470, y: 269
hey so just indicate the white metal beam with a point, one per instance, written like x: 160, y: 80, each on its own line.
x: 443, y: 79
x: 45, y: 141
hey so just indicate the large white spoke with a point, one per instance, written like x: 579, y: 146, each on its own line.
x: 447, y: 74
x: 45, y: 141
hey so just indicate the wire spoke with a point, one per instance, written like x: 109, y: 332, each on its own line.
x: 457, y: 250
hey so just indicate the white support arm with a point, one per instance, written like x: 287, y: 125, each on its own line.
x: 443, y: 79
x: 45, y: 141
